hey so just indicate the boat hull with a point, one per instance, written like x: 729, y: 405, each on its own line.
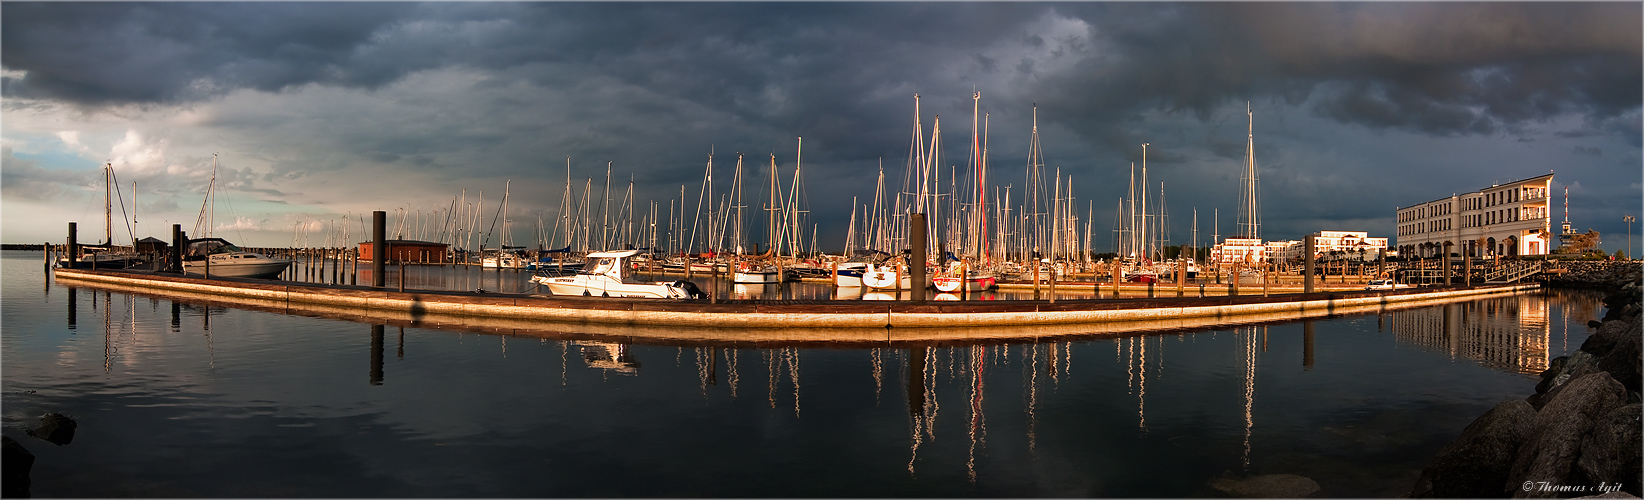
x: 595, y: 286
x: 260, y: 268
x: 755, y: 277
x: 954, y: 284
x: 886, y: 279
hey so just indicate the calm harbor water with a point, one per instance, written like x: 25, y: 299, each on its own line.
x: 192, y: 400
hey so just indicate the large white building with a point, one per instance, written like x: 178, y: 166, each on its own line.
x: 1331, y: 245
x: 1504, y: 219
x: 1241, y: 250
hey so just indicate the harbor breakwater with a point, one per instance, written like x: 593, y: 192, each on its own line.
x: 773, y: 321
x: 1579, y: 434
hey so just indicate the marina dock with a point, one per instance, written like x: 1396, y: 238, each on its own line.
x: 766, y: 320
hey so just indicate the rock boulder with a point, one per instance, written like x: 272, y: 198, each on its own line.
x: 1553, y: 440
x: 1476, y: 464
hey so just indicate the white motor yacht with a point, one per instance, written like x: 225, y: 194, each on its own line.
x: 607, y: 274
x: 228, y: 261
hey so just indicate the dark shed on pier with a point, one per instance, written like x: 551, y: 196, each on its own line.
x: 152, y: 244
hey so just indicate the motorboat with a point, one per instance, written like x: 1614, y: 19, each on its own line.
x: 608, y: 275
x: 1385, y: 285
x: 849, y: 274
x: 503, y: 260
x: 216, y: 257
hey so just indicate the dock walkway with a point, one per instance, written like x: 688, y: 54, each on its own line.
x: 933, y: 319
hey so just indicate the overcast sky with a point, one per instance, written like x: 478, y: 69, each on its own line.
x: 319, y: 111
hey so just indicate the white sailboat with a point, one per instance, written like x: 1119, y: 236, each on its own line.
x: 757, y: 272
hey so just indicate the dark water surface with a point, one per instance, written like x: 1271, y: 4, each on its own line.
x: 188, y: 400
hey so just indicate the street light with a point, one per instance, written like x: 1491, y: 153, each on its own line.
x: 1629, y: 220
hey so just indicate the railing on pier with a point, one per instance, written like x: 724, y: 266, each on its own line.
x: 1511, y: 271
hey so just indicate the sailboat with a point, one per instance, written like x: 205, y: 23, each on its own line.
x: 216, y: 257
x: 104, y: 256
x: 504, y: 257
x: 755, y: 271
x: 961, y: 275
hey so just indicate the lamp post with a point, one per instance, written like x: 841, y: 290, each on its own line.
x: 1629, y: 220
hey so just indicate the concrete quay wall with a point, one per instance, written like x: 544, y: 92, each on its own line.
x: 1003, y: 318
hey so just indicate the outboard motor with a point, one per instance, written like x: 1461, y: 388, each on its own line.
x: 690, y: 289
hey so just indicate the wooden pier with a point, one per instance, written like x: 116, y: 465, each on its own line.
x: 757, y: 320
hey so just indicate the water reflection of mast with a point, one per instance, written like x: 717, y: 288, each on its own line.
x: 108, y: 342
x: 730, y: 370
x: 1033, y: 399
x: 922, y: 405
x: 978, y: 423
x: 1249, y: 391
x: 878, y: 362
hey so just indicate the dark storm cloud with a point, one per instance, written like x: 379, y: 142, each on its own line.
x: 1438, y: 68
x: 116, y: 53
x: 653, y: 86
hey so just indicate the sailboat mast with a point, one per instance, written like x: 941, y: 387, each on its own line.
x: 108, y: 207
x: 1249, y: 210
x: 1146, y: 242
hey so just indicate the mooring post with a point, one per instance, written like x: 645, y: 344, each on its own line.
x: 1307, y: 268
x: 1052, y: 267
x: 1181, y: 271
x: 1381, y: 262
x: 402, y: 276
x: 1447, y: 263
x: 177, y: 242
x: 713, y: 286
x: 379, y: 248
x: 1466, y: 269
x: 73, y: 245
x: 916, y: 264
x: 1118, y: 276
x: 1266, y: 268
x: 1150, y: 289
x: 1035, y: 280
x: 1233, y: 281
x: 1095, y: 284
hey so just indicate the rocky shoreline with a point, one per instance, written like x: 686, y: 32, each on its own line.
x: 1579, y: 435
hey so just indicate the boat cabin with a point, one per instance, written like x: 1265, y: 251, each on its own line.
x: 609, y: 264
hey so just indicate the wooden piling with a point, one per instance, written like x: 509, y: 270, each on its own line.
x: 1466, y: 270
x: 916, y: 233
x: 1035, y: 280
x: 1118, y: 276
x: 73, y: 244
x: 1052, y: 269
x: 1307, y: 267
x: 379, y: 249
